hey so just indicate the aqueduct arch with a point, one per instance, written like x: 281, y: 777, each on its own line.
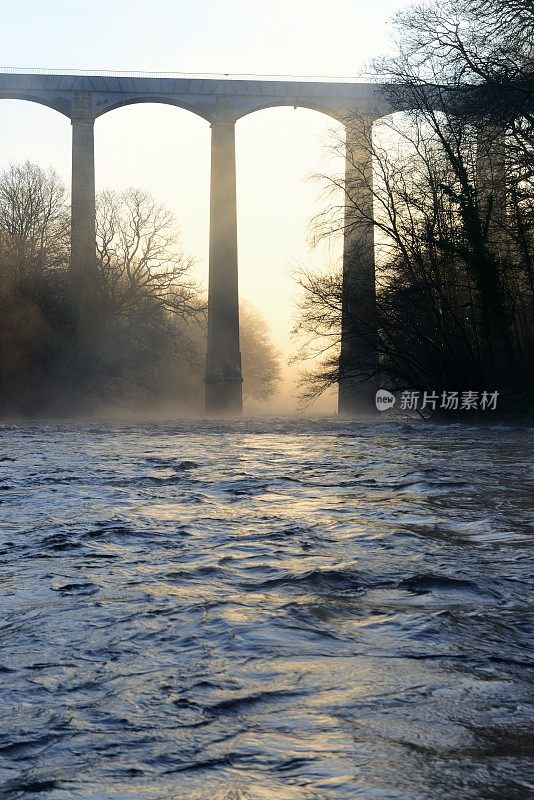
x: 220, y: 101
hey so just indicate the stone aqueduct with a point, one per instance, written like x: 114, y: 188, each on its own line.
x: 220, y: 101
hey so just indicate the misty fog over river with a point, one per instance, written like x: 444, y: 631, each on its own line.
x: 277, y: 609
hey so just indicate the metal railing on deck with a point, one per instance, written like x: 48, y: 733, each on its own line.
x: 202, y: 75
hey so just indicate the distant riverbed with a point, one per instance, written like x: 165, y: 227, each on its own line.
x: 266, y: 610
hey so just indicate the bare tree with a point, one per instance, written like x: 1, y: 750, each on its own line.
x: 141, y: 340
x: 261, y: 360
x: 453, y: 208
x: 34, y: 221
x: 451, y: 311
x: 139, y: 252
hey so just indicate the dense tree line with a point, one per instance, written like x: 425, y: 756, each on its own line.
x: 138, y: 339
x: 453, y: 197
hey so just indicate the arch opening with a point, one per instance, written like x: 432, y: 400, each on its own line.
x: 18, y: 143
x: 165, y: 151
x: 278, y: 153
x: 153, y: 100
x: 152, y: 147
x: 294, y: 103
x: 56, y: 106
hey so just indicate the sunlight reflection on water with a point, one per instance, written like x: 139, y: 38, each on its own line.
x: 282, y: 609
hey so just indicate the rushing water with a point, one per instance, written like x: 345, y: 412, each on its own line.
x: 265, y: 610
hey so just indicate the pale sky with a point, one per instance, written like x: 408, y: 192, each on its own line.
x: 166, y: 150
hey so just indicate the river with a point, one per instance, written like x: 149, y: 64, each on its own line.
x: 266, y: 610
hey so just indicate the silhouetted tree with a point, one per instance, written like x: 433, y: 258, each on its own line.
x: 454, y: 249
x: 34, y: 222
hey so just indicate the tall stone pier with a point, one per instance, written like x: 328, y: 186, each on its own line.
x: 358, y: 362
x: 83, y: 213
x: 224, y: 381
